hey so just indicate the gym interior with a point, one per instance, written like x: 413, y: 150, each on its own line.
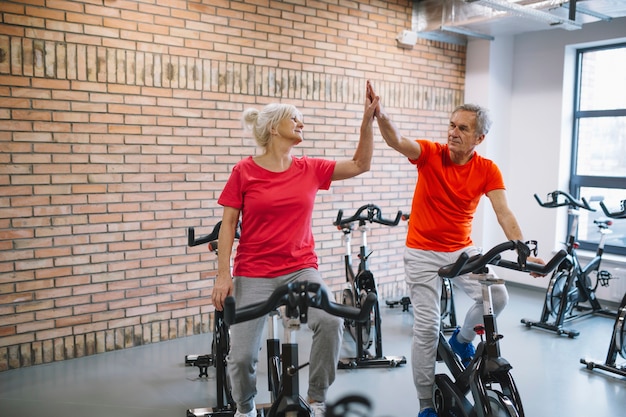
x: 120, y: 124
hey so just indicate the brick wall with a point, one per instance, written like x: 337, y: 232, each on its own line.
x: 120, y: 122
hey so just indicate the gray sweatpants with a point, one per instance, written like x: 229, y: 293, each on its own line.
x: 424, y: 286
x: 246, y: 339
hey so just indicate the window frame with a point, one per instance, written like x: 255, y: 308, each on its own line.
x: 591, y: 181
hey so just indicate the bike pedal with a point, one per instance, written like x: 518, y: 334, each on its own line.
x: 604, y: 277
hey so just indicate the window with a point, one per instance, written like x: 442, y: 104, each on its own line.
x: 599, y: 142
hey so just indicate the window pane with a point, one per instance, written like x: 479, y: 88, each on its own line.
x: 603, y: 80
x: 587, y: 230
x: 602, y: 146
x: 599, y: 163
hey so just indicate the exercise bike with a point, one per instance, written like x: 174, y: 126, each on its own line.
x: 219, y: 349
x: 226, y: 406
x: 487, y: 377
x: 448, y: 311
x: 571, y: 284
x: 359, y: 286
x: 618, y: 336
x: 297, y: 298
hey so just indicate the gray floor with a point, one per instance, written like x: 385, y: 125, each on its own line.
x: 152, y: 381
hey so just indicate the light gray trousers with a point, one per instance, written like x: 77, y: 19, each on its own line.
x: 246, y: 339
x: 424, y: 286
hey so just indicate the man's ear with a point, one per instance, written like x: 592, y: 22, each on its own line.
x: 480, y: 139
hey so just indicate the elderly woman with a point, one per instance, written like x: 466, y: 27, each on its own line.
x: 273, y: 194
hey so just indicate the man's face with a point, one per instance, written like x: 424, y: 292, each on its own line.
x: 462, y: 136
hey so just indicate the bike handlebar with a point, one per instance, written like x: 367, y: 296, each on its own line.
x: 464, y: 264
x: 297, y: 297
x: 211, y: 238
x: 615, y: 214
x: 569, y: 200
x: 373, y: 216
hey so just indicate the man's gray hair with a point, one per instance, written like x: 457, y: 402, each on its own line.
x: 483, y: 120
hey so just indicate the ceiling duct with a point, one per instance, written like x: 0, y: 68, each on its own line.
x: 455, y: 20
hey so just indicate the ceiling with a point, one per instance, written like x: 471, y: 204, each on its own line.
x: 455, y: 21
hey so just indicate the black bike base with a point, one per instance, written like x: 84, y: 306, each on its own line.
x: 384, y: 362
x: 209, y: 412
x: 261, y: 409
x: 571, y: 333
x: 203, y: 362
x: 405, y: 302
x: 616, y: 369
x: 559, y: 330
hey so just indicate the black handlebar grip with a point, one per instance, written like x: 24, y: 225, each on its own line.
x: 451, y: 271
x: 213, y: 236
x: 339, y: 216
x: 356, y: 216
x: 229, y: 310
x: 463, y: 265
x: 348, y: 312
x: 387, y: 222
x: 191, y: 237
x: 281, y: 296
x: 550, y: 266
x: 541, y: 203
x: 569, y: 201
x: 367, y: 306
x: 373, y: 216
x: 616, y: 214
x: 535, y: 267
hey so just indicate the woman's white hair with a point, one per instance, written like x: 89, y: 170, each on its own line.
x: 262, y: 122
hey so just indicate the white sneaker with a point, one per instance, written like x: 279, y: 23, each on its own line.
x: 318, y: 409
x: 252, y: 413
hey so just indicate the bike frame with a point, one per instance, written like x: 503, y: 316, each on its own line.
x: 618, y: 336
x: 297, y: 297
x: 225, y: 404
x: 487, y: 366
x: 362, y: 283
x: 576, y: 275
x: 579, y: 275
x: 363, y: 280
x: 615, y: 347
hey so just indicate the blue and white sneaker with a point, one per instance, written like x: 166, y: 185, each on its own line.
x: 427, y: 412
x: 465, y: 351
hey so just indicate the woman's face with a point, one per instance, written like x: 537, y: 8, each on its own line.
x: 290, y: 128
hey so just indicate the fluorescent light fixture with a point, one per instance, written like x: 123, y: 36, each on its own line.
x: 528, y: 12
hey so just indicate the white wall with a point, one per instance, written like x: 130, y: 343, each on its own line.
x: 521, y: 79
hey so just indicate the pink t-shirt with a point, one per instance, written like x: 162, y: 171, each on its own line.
x: 276, y: 210
x: 446, y: 197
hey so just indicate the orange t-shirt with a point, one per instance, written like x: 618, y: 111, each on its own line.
x: 446, y: 196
